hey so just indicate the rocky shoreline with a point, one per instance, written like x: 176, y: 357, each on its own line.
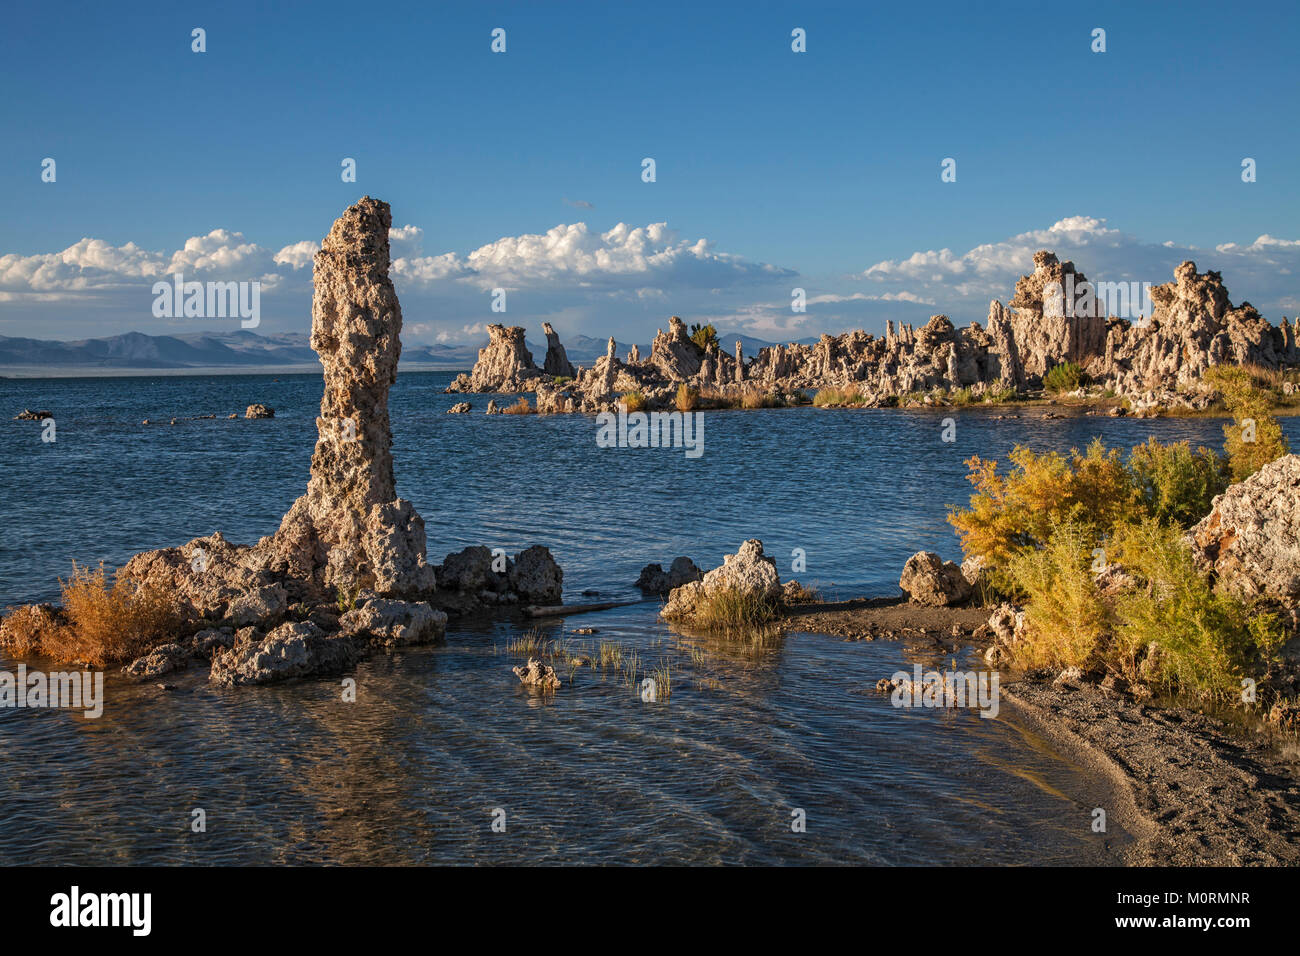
x: 1154, y: 362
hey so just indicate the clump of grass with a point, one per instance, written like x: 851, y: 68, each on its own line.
x: 631, y: 668
x: 839, y: 396
x: 633, y: 401
x: 687, y: 398
x: 109, y: 625
x: 755, y: 396
x: 663, y: 678
x: 1066, y: 377
x: 531, y: 643
x: 610, y: 656
x: 998, y: 394
x: 963, y: 396
x: 347, y: 599
x: 521, y: 407
x: 729, y: 609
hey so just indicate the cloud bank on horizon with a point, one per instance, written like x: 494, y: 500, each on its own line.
x: 624, y: 281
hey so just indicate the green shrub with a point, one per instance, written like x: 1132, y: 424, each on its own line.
x: 1173, y: 629
x: 1021, y: 509
x: 1176, y: 484
x: 633, y: 402
x: 704, y: 335
x: 1254, y: 438
x: 1066, y: 377
x: 1067, y: 621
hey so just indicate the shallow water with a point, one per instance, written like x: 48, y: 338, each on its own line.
x: 440, y: 738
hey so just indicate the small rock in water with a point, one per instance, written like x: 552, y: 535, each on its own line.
x: 537, y: 674
x: 27, y: 415
x: 460, y: 408
x: 258, y: 410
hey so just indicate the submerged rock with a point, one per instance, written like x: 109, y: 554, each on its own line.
x: 27, y: 415
x: 927, y: 579
x: 296, y: 649
x: 1250, y: 540
x: 161, y: 660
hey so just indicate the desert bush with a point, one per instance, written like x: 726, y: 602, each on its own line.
x: 1020, y: 509
x: 1167, y: 626
x: 633, y: 401
x: 1255, y: 437
x: 687, y: 398
x: 1067, y: 622
x: 1179, y: 631
x: 1066, y: 377
x: 24, y: 629
x: 109, y: 625
x: 1175, y: 483
x: 704, y: 335
x: 997, y: 395
x: 755, y: 396
x: 520, y: 407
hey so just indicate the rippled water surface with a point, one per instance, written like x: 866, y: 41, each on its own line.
x: 440, y: 738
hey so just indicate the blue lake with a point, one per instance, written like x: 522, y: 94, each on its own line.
x: 441, y: 738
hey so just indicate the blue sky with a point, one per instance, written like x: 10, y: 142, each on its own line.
x: 794, y: 169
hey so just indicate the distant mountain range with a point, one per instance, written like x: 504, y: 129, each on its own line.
x: 245, y: 349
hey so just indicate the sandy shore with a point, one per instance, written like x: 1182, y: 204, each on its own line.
x: 1192, y: 789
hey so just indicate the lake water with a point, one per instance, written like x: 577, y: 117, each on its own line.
x: 442, y: 741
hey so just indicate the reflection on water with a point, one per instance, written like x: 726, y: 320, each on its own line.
x: 440, y: 738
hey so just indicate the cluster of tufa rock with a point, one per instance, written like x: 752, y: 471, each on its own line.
x: 347, y: 569
x: 1156, y: 360
x: 748, y: 573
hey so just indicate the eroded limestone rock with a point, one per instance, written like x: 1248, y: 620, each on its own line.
x: 350, y: 530
x: 928, y: 579
x: 1250, y: 540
